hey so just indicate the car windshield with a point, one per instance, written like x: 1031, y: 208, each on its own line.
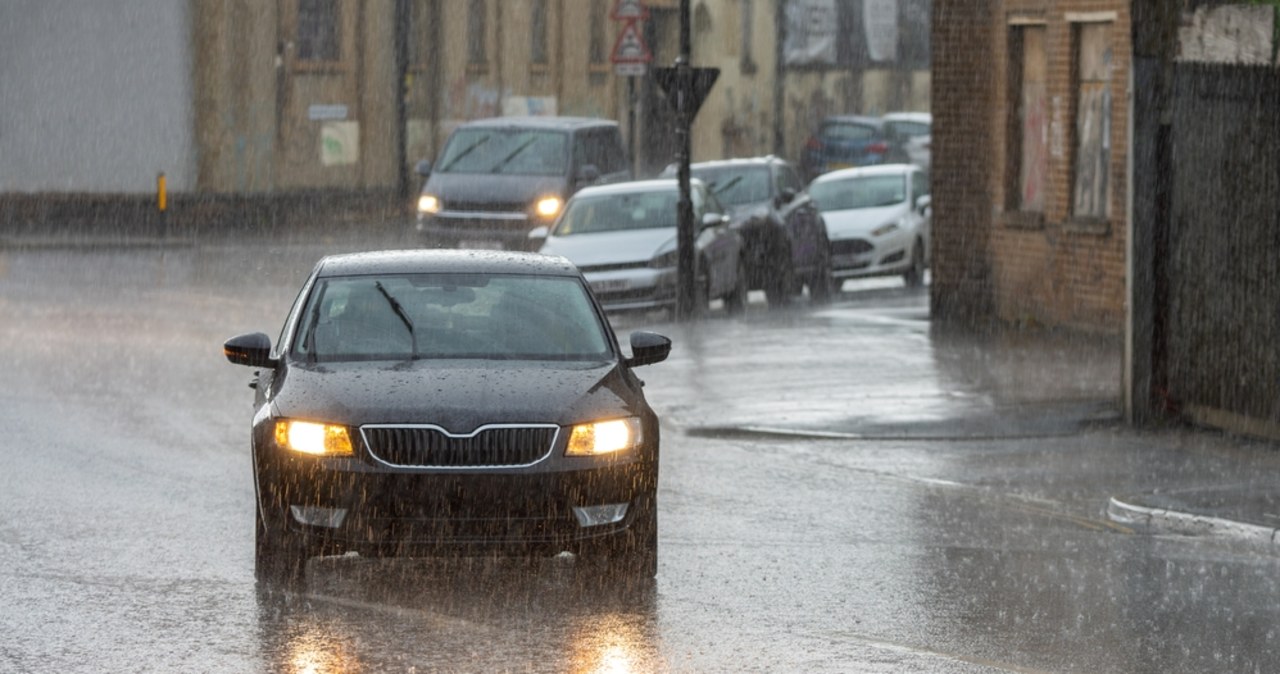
x: 428, y: 316
x: 505, y: 151
x: 861, y: 192
x: 848, y: 131
x: 736, y: 186
x: 617, y: 212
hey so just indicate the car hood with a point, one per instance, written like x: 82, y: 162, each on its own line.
x: 858, y: 222
x: 454, y: 188
x: 458, y: 396
x: 633, y: 245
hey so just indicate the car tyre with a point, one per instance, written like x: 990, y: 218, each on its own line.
x: 821, y: 285
x: 736, y: 301
x: 914, y: 276
x: 779, y: 286
x: 280, y: 556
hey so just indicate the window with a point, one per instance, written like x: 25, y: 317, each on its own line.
x: 477, y: 33
x: 596, y: 49
x: 1028, y: 124
x: 318, y: 38
x: 1091, y: 75
x: 538, y: 23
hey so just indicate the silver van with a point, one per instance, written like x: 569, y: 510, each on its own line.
x: 498, y: 178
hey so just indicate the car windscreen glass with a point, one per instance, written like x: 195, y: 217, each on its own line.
x: 860, y: 192
x: 617, y: 212
x: 431, y: 316
x: 505, y: 151
x: 735, y: 186
x: 848, y: 132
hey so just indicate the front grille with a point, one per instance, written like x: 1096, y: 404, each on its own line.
x: 850, y: 247
x: 433, y: 447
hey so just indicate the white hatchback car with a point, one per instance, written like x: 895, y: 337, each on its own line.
x: 623, y: 238
x: 877, y: 220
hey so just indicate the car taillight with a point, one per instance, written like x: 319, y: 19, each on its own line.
x: 878, y: 148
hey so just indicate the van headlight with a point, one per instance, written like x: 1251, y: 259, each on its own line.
x: 604, y: 437
x: 429, y: 204
x: 548, y: 207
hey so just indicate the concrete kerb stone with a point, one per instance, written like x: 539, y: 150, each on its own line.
x: 1123, y: 511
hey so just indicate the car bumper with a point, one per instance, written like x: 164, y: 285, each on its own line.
x: 497, y: 231
x: 349, y: 505
x: 633, y: 289
x: 866, y: 259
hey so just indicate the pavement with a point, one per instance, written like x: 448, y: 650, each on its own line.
x: 1018, y: 383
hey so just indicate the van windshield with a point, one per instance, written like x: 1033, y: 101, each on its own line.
x: 505, y: 151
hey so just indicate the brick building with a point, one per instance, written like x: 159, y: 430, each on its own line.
x: 1030, y: 156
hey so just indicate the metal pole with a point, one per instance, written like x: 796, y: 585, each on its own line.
x: 684, y: 237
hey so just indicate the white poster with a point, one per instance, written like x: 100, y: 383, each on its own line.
x: 339, y: 143
x: 811, y: 32
x: 880, y: 20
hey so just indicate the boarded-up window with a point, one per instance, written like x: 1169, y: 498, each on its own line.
x: 1029, y: 119
x: 319, y: 38
x: 538, y: 23
x: 1091, y: 161
x: 477, y: 33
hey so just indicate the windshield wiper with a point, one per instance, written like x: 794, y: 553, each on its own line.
x: 396, y: 306
x: 719, y: 189
x: 465, y: 152
x: 512, y: 155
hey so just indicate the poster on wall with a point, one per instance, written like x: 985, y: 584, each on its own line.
x: 812, y: 26
x: 880, y: 23
x: 339, y: 143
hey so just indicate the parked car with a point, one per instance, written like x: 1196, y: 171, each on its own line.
x: 498, y: 178
x: 623, y: 238
x: 430, y: 401
x: 878, y: 220
x: 914, y: 131
x: 845, y: 141
x: 784, y: 238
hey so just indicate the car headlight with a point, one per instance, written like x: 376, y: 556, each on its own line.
x: 548, y: 207
x: 313, y: 438
x: 665, y: 260
x: 604, y: 437
x: 885, y: 229
x: 428, y: 203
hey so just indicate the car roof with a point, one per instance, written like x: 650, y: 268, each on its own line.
x: 739, y: 161
x: 427, y: 260
x: 560, y: 123
x: 921, y: 117
x: 853, y: 119
x: 633, y: 186
x: 860, y: 171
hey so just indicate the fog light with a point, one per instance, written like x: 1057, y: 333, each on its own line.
x: 319, y: 517
x: 592, y: 516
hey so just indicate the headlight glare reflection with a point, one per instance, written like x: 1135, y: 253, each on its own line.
x: 604, y: 437
x: 313, y: 438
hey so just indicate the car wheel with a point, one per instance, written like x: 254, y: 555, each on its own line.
x: 779, y: 286
x: 821, y: 285
x: 736, y: 301
x: 633, y: 554
x: 280, y: 556
x: 914, y: 276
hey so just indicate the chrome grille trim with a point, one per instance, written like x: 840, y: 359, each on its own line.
x: 488, y: 446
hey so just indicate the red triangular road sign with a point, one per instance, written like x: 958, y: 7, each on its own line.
x: 630, y: 47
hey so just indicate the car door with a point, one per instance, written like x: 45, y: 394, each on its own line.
x: 804, y: 224
x: 921, y: 216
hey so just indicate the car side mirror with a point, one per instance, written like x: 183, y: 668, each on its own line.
x: 648, y: 348
x: 589, y: 173
x: 786, y: 196
x: 423, y: 168
x: 923, y: 202
x: 253, y: 349
x: 713, y: 219
x: 537, y: 236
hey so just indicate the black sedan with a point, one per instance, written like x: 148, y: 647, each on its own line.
x: 784, y: 238
x: 432, y: 402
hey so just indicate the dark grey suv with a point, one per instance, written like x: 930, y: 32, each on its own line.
x: 498, y: 178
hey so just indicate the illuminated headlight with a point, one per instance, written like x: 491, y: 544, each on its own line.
x: 666, y: 260
x: 428, y: 203
x: 604, y: 437
x: 885, y: 229
x: 548, y: 207
x: 312, y: 438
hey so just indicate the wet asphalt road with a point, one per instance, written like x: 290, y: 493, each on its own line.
x: 842, y: 490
